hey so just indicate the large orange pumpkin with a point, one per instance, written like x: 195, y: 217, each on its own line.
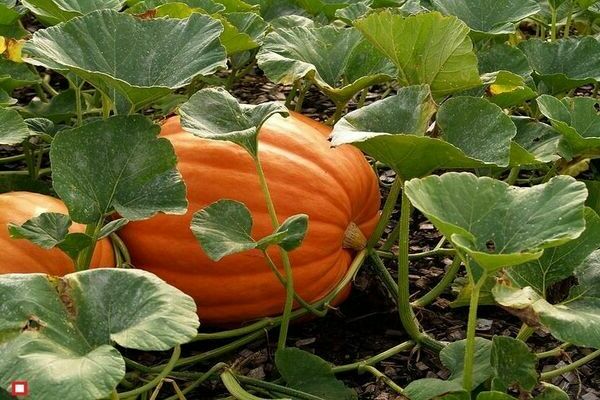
x: 22, y: 256
x: 335, y: 186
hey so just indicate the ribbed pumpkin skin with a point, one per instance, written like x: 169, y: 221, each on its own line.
x: 333, y: 186
x: 22, y: 256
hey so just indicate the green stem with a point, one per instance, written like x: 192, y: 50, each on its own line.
x: 106, y: 106
x: 391, y: 239
x: 300, y: 101
x: 384, y: 274
x: 569, y: 19
x: 553, y: 25
x: 47, y: 87
x: 407, y: 315
x: 85, y: 257
x: 231, y: 79
x: 556, y: 352
x: 471, y: 331
x: 78, y: 105
x: 416, y: 256
x: 375, y: 359
x: 162, y: 375
x: 546, y: 376
x: 363, y: 97
x: 260, y: 325
x: 297, y: 297
x: 525, y: 332
x: 234, y: 387
x: 382, y: 377
x: 41, y: 172
x: 436, y: 291
x: 200, y: 380
x: 290, y: 97
x: 273, y: 387
x: 114, y: 395
x: 340, y: 107
x: 120, y: 245
x: 287, y: 267
x: 386, y: 213
x: 513, y: 175
x: 12, y: 159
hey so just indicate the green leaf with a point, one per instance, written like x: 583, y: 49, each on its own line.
x: 555, y: 75
x: 46, y: 230
x: 353, y: 12
x: 13, y: 130
x: 311, y: 374
x: 14, y: 183
x: 97, y: 169
x: 338, y: 60
x: 469, y: 122
x: 15, y: 75
x: 577, y: 120
x: 172, y: 52
x: 52, y: 12
x: 58, y: 333
x: 431, y: 388
x: 498, y: 225
x: 223, y: 228
x: 453, y: 358
x: 60, y: 108
x: 242, y: 31
x: 535, y: 142
x: 576, y: 321
x: 392, y: 131
x: 426, y: 48
x: 507, y: 89
x: 588, y: 276
x: 559, y: 262
x: 494, y: 396
x: 489, y: 16
x: 552, y: 392
x: 215, y: 114
x: 513, y: 363
x: 503, y: 57
x: 593, y: 200
x: 294, y: 228
x: 6, y: 100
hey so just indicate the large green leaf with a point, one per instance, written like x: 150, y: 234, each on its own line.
x: 52, y: 12
x: 14, y: 75
x: 507, y: 89
x: 489, y: 16
x: 498, y: 225
x: 503, y: 57
x: 13, y: 130
x: 58, y: 333
x: 141, y: 60
x: 215, y: 114
x: 117, y: 164
x: 338, y: 60
x: 426, y: 48
x: 554, y: 74
x: 535, y: 142
x: 469, y: 122
x: 453, y: 358
x: 242, y: 31
x: 513, y: 363
x: 392, y: 131
x: 577, y: 120
x: 432, y: 388
x: 559, y: 262
x: 311, y: 374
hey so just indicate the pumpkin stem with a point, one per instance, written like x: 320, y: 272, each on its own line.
x: 354, y: 238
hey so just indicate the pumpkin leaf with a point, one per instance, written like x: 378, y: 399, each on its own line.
x: 132, y: 174
x: 223, y: 228
x: 535, y: 142
x: 513, y: 363
x: 551, y: 392
x: 311, y: 374
x: 432, y: 388
x: 6, y: 100
x: 242, y: 31
x: 489, y: 16
x: 577, y: 120
x: 552, y: 73
x: 52, y: 12
x: 215, y: 114
x: 469, y: 122
x: 503, y: 57
x: 392, y: 131
x: 498, y: 225
x: 58, y: 333
x: 559, y: 262
x: 325, y: 55
x: 353, y: 12
x: 46, y: 230
x: 172, y: 52
x: 425, y: 48
x: 15, y: 75
x: 13, y: 130
x: 494, y: 395
x: 507, y: 89
x: 294, y: 229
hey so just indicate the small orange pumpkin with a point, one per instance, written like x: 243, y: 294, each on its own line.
x: 22, y: 256
x: 335, y: 186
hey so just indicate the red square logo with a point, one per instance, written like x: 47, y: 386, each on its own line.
x: 20, y: 388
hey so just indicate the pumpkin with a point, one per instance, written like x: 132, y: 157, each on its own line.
x: 22, y: 256
x: 336, y: 187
